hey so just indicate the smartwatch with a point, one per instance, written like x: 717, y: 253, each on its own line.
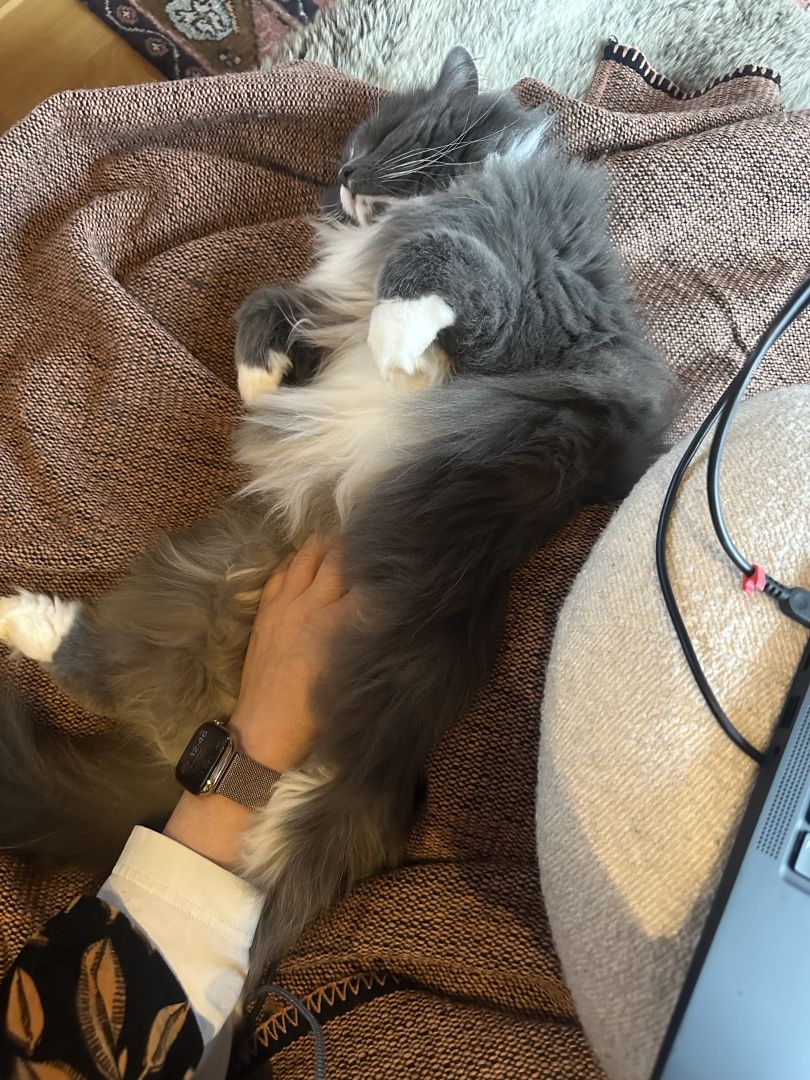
x: 212, y: 763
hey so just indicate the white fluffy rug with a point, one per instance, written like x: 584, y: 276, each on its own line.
x: 399, y: 42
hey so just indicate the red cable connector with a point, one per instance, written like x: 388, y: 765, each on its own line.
x: 754, y: 580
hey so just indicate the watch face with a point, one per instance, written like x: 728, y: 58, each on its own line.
x: 201, y: 757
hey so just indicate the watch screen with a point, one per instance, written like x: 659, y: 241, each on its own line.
x: 201, y: 756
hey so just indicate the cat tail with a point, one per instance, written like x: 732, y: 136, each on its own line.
x: 319, y: 835
x: 74, y: 800
x: 497, y: 466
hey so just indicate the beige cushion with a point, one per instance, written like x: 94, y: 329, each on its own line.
x: 639, y: 791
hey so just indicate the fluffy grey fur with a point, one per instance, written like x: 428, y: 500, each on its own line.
x: 396, y: 43
x: 444, y: 464
x: 160, y: 654
x: 413, y: 143
x: 408, y: 146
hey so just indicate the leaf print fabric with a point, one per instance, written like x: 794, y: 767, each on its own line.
x: 91, y: 999
x: 44, y: 1070
x: 24, y: 1017
x: 165, y: 1028
x: 100, y: 1003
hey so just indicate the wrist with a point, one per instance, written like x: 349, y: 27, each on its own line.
x: 250, y: 738
x: 211, y: 825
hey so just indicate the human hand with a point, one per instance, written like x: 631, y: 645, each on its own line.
x: 301, y: 606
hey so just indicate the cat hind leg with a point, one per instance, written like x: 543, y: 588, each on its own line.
x: 35, y: 624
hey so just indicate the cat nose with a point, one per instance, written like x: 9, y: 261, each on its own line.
x: 345, y: 173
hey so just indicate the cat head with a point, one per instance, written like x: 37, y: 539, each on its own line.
x: 417, y: 142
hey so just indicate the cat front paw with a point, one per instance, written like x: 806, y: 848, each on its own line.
x: 402, y: 336
x: 35, y: 624
x: 255, y: 382
x: 264, y: 321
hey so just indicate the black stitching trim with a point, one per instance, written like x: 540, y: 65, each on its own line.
x: 636, y: 61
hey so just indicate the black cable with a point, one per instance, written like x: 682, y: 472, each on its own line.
x: 786, y: 315
x: 794, y: 602
x: 669, y: 596
x: 307, y: 1014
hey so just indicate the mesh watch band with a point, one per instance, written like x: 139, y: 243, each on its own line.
x: 247, y: 782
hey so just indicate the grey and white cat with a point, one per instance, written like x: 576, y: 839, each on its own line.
x: 458, y: 375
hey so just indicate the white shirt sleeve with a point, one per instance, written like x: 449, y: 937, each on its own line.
x: 199, y: 916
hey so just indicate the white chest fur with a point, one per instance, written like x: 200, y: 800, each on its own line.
x: 359, y: 416
x: 330, y: 437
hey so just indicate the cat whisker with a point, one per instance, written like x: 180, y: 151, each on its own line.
x: 496, y: 100
x: 443, y: 149
x: 469, y: 142
x: 411, y: 155
x: 418, y: 157
x: 416, y: 151
x: 412, y: 168
x: 435, y: 165
x: 398, y: 189
x: 427, y: 160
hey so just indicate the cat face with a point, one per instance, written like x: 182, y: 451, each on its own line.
x: 417, y: 142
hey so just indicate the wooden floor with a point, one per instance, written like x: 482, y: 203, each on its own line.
x: 52, y: 45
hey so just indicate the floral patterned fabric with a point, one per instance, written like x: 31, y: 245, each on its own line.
x: 205, y: 37
x: 90, y: 999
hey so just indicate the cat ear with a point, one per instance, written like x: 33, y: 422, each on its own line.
x: 459, y: 73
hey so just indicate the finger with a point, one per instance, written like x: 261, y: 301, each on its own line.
x: 304, y: 566
x: 274, y: 584
x: 329, y: 585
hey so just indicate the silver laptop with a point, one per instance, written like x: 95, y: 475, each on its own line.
x: 744, y: 1011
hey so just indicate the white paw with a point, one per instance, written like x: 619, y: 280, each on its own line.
x: 401, y: 333
x: 255, y: 382
x: 36, y: 624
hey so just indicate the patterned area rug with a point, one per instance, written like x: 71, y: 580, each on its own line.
x: 205, y: 37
